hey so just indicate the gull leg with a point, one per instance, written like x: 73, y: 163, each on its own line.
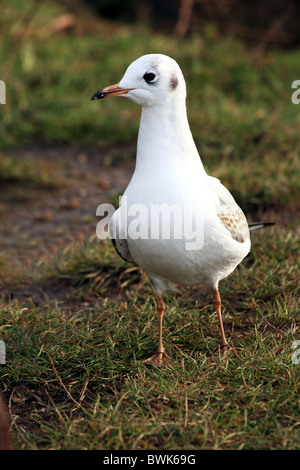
x: 160, y: 357
x: 217, y: 303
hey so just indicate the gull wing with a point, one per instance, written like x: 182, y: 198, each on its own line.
x: 122, y: 249
x: 118, y: 238
x: 229, y: 213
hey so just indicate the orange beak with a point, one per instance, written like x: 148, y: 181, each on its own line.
x: 112, y: 90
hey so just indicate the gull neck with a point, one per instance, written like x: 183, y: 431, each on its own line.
x: 165, y: 139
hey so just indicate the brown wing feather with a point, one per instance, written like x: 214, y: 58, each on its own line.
x: 235, y: 222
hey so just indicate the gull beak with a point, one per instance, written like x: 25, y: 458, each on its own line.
x: 112, y: 90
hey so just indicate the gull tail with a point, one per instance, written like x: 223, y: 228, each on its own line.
x: 260, y: 225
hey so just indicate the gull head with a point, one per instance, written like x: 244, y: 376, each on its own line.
x: 152, y: 80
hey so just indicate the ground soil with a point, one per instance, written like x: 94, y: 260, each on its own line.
x: 37, y: 223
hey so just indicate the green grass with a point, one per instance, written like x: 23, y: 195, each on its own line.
x: 81, y: 379
x: 14, y: 171
x: 75, y: 376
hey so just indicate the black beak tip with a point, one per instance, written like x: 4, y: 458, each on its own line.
x: 98, y: 95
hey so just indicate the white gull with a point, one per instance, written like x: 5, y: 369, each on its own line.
x: 169, y: 172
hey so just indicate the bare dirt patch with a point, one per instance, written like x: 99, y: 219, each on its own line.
x: 37, y: 223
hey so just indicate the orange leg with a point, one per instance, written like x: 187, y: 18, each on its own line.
x: 160, y: 312
x: 217, y: 303
x: 160, y: 357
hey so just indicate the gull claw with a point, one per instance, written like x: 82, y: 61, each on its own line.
x: 226, y: 348
x: 159, y: 359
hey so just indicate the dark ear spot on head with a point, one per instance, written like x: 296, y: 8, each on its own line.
x: 173, y: 82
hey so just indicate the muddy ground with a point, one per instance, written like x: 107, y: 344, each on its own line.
x: 37, y: 223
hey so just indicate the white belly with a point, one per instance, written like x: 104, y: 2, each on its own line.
x: 190, y: 249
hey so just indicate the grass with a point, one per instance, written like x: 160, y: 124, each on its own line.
x: 75, y: 376
x: 80, y: 375
x: 18, y: 172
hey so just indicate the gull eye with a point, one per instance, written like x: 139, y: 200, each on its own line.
x: 149, y: 77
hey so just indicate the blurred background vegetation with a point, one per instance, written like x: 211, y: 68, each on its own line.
x: 239, y: 62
